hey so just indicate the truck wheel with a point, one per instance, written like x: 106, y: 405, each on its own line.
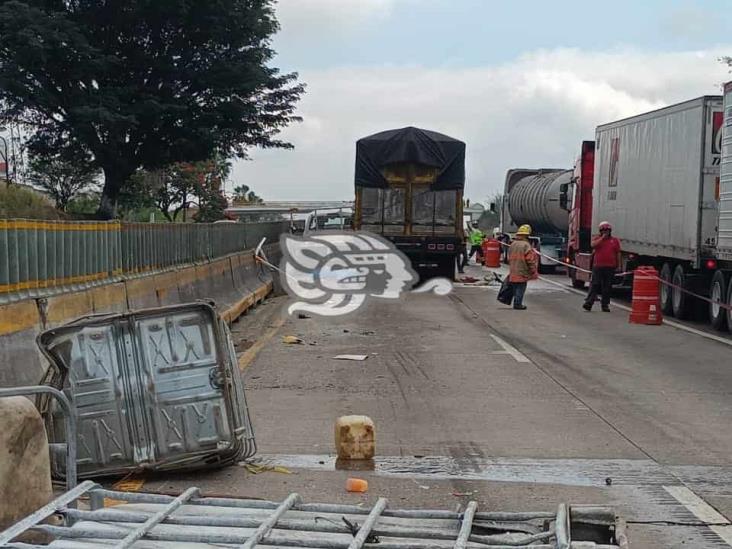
x: 681, y: 302
x: 447, y: 269
x: 666, y: 302
x: 718, y: 292
x: 728, y: 312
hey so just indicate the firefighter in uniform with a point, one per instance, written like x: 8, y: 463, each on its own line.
x: 523, y: 265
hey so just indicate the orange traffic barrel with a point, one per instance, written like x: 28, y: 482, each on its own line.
x: 646, y: 307
x: 491, y: 253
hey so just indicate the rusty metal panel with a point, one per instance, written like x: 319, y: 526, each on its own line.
x: 154, y: 389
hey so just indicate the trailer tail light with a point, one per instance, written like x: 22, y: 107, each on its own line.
x: 711, y: 264
x: 430, y: 246
x: 440, y: 246
x: 450, y: 247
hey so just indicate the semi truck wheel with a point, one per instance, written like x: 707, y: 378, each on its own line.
x: 666, y: 302
x: 728, y: 312
x: 718, y: 292
x: 681, y: 301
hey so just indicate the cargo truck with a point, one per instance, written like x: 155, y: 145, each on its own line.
x: 409, y: 189
x: 537, y: 198
x: 577, y: 200
x: 657, y: 180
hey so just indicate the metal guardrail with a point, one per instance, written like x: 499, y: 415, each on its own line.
x: 41, y: 258
x: 171, y: 522
x: 69, y: 418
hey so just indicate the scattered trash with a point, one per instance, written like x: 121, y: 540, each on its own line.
x: 368, y: 333
x: 351, y: 357
x: 468, y: 279
x: 129, y: 483
x: 462, y: 494
x: 353, y: 528
x: 358, y: 485
x: 312, y: 343
x: 256, y: 468
x: 422, y: 486
x: 302, y: 315
x: 609, y: 481
x: 291, y: 340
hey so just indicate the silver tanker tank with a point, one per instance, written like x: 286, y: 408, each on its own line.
x: 532, y: 196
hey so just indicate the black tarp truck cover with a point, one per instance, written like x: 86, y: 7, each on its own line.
x: 410, y: 146
x: 409, y: 186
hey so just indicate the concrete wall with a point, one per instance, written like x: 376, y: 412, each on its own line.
x: 235, y: 283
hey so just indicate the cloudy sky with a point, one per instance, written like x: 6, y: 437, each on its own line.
x: 521, y: 82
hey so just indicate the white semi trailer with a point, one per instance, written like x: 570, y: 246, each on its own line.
x: 657, y: 180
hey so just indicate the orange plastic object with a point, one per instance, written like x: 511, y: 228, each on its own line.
x: 491, y: 253
x: 646, y: 306
x: 357, y: 485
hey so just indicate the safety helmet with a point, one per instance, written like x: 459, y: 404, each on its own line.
x: 606, y: 225
x: 524, y: 230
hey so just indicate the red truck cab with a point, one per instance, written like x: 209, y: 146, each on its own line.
x: 579, y: 251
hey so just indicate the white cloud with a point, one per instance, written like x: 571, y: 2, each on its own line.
x: 532, y: 112
x: 311, y: 17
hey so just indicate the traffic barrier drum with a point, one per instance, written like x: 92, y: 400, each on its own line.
x: 491, y: 253
x: 646, y: 307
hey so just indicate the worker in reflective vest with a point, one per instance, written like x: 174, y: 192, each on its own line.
x: 476, y: 242
x: 522, y: 265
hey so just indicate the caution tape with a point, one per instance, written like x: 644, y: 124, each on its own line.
x: 725, y: 306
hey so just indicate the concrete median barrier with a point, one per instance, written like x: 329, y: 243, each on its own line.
x: 235, y: 283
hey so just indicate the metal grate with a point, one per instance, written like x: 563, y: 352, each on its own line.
x: 166, y: 522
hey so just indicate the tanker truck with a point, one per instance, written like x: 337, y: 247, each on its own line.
x: 539, y: 198
x: 409, y: 189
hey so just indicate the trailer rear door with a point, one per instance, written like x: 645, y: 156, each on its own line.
x: 724, y: 244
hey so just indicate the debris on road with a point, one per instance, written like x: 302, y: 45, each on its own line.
x: 291, y: 340
x: 355, y: 438
x: 358, y: 485
x: 147, y: 519
x: 257, y: 468
x: 351, y: 357
x: 303, y: 316
x: 155, y: 389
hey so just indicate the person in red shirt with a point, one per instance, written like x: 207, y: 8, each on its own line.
x: 605, y: 261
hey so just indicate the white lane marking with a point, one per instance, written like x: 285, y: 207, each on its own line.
x: 510, y: 349
x: 702, y: 510
x: 671, y: 323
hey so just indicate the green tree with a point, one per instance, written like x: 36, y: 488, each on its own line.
x: 244, y: 195
x: 143, y: 83
x: 62, y: 180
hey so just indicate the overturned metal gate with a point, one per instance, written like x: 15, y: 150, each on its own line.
x: 189, y: 520
x: 155, y: 389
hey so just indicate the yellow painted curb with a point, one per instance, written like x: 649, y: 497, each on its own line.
x: 251, y: 353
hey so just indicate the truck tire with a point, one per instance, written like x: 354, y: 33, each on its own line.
x: 718, y: 292
x: 728, y: 312
x: 681, y: 302
x: 447, y: 269
x: 665, y: 290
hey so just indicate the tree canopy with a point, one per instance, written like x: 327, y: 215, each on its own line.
x: 143, y: 83
x: 62, y: 180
